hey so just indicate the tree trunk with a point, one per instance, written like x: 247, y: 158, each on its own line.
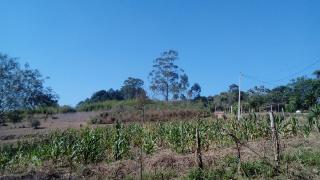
x: 167, y: 92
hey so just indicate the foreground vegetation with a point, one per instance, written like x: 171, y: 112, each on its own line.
x: 75, y: 148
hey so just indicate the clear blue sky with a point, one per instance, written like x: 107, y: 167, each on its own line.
x: 90, y: 45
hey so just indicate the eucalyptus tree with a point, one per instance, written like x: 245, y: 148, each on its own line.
x: 194, y: 91
x: 166, y: 77
x: 317, y: 74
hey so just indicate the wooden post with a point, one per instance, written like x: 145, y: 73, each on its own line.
x: 141, y: 163
x: 143, y: 109
x: 275, y: 140
x: 238, y: 146
x: 198, y: 153
x: 239, y: 157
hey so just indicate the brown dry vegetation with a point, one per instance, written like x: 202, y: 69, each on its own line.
x: 147, y: 116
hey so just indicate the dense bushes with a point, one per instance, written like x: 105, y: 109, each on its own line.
x: 14, y: 116
x: 105, y: 105
x: 227, y: 169
x: 54, y: 110
x: 148, y: 104
x: 148, y: 115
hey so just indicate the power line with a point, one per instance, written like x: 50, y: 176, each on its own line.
x: 258, y: 80
x: 294, y: 74
x: 274, y: 83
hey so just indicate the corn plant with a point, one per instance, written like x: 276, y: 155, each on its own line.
x: 121, y: 143
x: 90, y: 148
x: 314, y: 117
x: 148, y: 143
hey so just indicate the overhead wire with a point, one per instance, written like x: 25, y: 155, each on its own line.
x: 275, y: 82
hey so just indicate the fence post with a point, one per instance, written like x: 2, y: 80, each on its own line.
x: 275, y: 140
x: 198, y: 152
x: 141, y: 162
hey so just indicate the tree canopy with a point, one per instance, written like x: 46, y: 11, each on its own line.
x: 300, y: 94
x: 167, y: 79
x: 194, y: 91
x: 132, y: 88
x: 22, y: 87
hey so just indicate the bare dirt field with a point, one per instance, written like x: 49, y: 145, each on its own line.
x: 22, y: 130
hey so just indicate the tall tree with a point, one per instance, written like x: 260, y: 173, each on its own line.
x: 317, y: 74
x: 166, y: 77
x: 133, y: 88
x: 22, y: 88
x: 258, y: 96
x: 233, y: 94
x: 194, y: 91
x: 233, y: 88
x: 182, y: 87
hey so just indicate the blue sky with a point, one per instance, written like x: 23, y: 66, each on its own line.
x: 85, y: 46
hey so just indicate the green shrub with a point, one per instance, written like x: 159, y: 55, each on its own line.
x: 67, y: 109
x: 35, y: 123
x: 14, y: 116
x: 148, y: 143
x: 257, y: 168
x: 306, y: 157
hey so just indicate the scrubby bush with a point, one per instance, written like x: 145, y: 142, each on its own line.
x: 35, y: 123
x: 67, y: 109
x: 14, y: 116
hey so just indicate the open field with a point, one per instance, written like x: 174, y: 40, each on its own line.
x: 22, y: 130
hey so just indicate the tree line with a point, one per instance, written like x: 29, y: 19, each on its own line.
x: 299, y: 94
x: 22, y: 88
x: 167, y: 79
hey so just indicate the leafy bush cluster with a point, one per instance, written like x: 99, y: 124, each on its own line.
x: 227, y: 169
